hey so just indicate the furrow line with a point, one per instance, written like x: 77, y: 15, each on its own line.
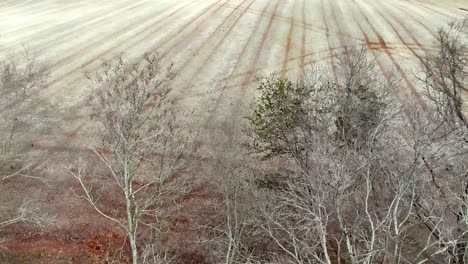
x: 369, y: 46
x: 233, y: 86
x: 297, y: 23
x: 333, y: 8
x: 327, y: 35
x: 394, y: 62
x: 303, y: 33
x: 430, y: 8
x: 39, y: 102
x: 402, y: 40
x: 207, y: 40
x: 121, y: 43
x: 53, y: 28
x: 193, y: 32
x: 61, y: 32
x: 287, y: 49
x: 220, y: 42
x: 237, y: 63
x: 417, y: 21
x: 253, y: 65
x: 114, y: 47
x: 239, y: 75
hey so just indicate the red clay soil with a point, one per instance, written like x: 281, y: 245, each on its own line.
x: 98, y: 241
x: 63, y: 246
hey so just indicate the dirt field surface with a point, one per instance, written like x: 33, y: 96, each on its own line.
x: 218, y: 47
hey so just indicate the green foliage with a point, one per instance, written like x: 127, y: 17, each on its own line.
x: 279, y: 109
x: 287, y: 115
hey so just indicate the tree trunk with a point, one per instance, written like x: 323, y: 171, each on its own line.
x: 131, y: 226
x: 133, y: 245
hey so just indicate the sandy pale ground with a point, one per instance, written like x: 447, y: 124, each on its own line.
x: 450, y: 3
x: 219, y: 47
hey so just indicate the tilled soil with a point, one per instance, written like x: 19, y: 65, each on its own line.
x: 218, y: 47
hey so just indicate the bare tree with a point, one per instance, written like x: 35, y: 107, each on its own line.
x: 355, y: 191
x: 445, y: 155
x: 141, y: 145
x: 445, y: 73
x: 19, y: 78
x: 227, y: 233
